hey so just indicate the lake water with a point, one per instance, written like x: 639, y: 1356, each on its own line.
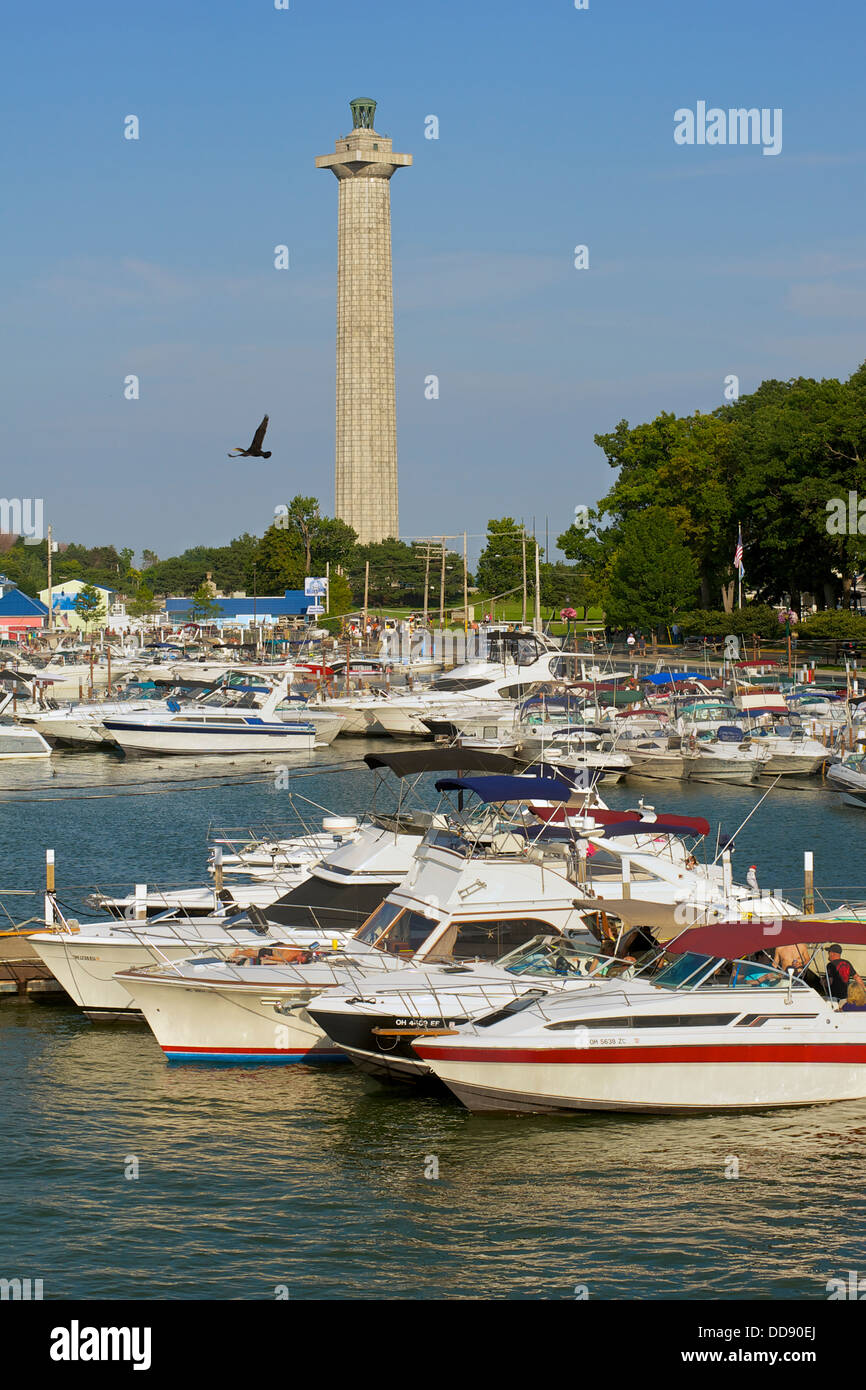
x: 255, y: 1183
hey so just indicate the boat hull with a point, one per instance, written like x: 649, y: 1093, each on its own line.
x: 239, y: 1024
x: 20, y: 742
x: 274, y: 740
x: 664, y: 768
x: 772, y: 1075
x: 720, y: 770
x: 792, y: 765
x: 86, y: 971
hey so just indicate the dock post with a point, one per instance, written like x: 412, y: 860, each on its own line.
x: 809, y: 881
x: 218, y: 869
x: 139, y: 910
x: 727, y: 881
x: 626, y: 878
x: 581, y: 863
x: 49, y: 888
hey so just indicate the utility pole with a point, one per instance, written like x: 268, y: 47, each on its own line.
x: 255, y: 603
x: 50, y: 609
x: 465, y: 594
x: 366, y: 596
x: 426, y: 583
x: 442, y: 590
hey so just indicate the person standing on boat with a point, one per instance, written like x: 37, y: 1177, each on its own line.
x: 795, y: 957
x: 840, y: 975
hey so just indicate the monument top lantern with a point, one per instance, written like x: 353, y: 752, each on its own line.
x: 363, y: 113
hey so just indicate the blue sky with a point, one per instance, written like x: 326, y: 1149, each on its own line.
x: 155, y: 256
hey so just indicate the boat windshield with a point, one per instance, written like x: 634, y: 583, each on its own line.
x: 557, y: 956
x: 687, y: 971
x: 376, y: 924
x: 396, y: 929
x: 692, y: 971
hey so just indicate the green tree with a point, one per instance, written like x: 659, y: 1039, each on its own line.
x: 592, y: 546
x: 654, y: 574
x: 563, y: 586
x: 203, y: 605
x: 279, y: 561
x: 143, y: 604
x: 324, y: 540
x: 27, y: 566
x: 340, y: 598
x: 334, y: 544
x: 68, y: 568
x: 397, y: 572
x: 799, y: 444
x: 89, y: 606
x: 684, y: 465
x: 500, y: 565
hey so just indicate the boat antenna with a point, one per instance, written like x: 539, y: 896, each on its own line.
x: 771, y: 787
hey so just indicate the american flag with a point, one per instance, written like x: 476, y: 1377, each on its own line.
x: 738, y: 553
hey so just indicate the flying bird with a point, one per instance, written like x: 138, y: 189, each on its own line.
x: 255, y: 451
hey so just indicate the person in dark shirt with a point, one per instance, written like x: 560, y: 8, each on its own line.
x: 840, y: 974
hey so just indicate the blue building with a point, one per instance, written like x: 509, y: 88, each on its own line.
x: 18, y: 611
x: 265, y: 609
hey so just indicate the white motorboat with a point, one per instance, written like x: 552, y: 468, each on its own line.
x: 706, y: 716
x: 515, y: 660
x: 240, y: 1006
x: 726, y: 756
x: 712, y: 1031
x: 849, y: 778
x: 477, y: 888
x: 376, y: 1024
x: 654, y: 755
x: 19, y: 741
x: 222, y: 723
x: 597, y: 763
x: 332, y: 897
x: 270, y: 869
x: 331, y: 900
x: 462, y: 899
x: 791, y: 751
x: 547, y: 719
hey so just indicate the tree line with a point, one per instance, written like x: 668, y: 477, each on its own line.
x: 783, y: 463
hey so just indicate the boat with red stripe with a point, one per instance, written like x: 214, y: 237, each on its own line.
x: 713, y: 1030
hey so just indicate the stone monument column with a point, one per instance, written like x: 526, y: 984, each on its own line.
x: 365, y: 490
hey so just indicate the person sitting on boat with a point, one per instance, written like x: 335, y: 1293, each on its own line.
x: 791, y: 957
